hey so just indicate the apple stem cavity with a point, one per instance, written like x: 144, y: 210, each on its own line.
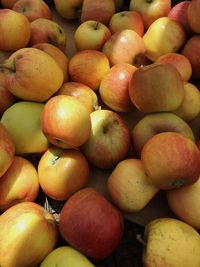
x: 4, y: 67
x: 140, y: 239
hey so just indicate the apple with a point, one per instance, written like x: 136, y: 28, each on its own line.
x: 59, y: 56
x: 191, y: 50
x: 184, y: 203
x: 62, y: 172
x: 114, y: 87
x: 150, y: 10
x: 179, y: 12
x: 150, y: 94
x: 33, y: 9
x: 66, y: 256
x: 164, y: 35
x: 23, y: 122
x: 193, y: 15
x: 88, y: 67
x: 69, y: 9
x: 190, y: 107
x: 170, y: 242
x: 171, y: 160
x: 101, y: 227
x: 91, y: 34
x: 129, y: 187
x: 126, y: 20
x: 8, y: 3
x: 33, y: 74
x: 26, y: 227
x: 47, y: 31
x: 179, y: 61
x: 155, y: 123
x: 109, y: 139
x: 119, y: 48
x: 19, y: 183
x: 66, y: 122
x: 15, y: 30
x: 82, y: 92
x: 101, y: 11
x: 6, y: 97
x: 7, y: 150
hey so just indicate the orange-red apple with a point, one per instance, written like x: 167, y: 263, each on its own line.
x: 62, y: 172
x: 171, y: 160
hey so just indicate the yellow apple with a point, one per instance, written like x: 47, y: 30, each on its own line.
x: 23, y: 122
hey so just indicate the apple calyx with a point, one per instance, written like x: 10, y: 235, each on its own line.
x: 177, y: 183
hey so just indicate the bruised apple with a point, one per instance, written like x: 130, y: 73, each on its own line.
x: 62, y: 172
x: 82, y: 92
x: 19, y: 183
x: 66, y: 122
x: 150, y: 94
x: 101, y: 227
x: 15, y: 30
x: 28, y: 234
x: 171, y: 160
x: 129, y: 186
x: 32, y: 74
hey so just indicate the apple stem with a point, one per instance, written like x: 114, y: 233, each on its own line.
x: 96, y: 26
x: 140, y: 239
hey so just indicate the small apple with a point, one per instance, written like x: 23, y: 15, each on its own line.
x: 32, y: 75
x: 19, y: 183
x: 15, y: 30
x: 109, y: 139
x: 119, y: 48
x: 179, y: 12
x: 179, y: 61
x: 191, y: 50
x: 69, y: 9
x: 190, y: 106
x: 82, y: 92
x: 155, y: 123
x: 66, y: 122
x: 129, y: 186
x: 101, y: 11
x: 193, y: 15
x: 170, y: 242
x: 101, y: 227
x: 59, y: 56
x: 7, y: 149
x: 150, y: 94
x: 126, y: 20
x: 171, y: 160
x: 88, y: 67
x: 47, y: 31
x: 114, y: 87
x: 91, y: 34
x: 164, y: 35
x: 62, y: 172
x: 23, y: 122
x: 33, y: 9
x: 26, y: 227
x: 66, y: 256
x: 150, y: 10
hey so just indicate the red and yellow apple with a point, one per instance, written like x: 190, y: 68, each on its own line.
x: 68, y: 9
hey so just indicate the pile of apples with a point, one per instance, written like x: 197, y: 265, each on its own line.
x: 64, y: 116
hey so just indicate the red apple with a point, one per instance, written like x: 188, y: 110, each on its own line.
x: 101, y: 11
x: 171, y: 160
x: 114, y: 87
x: 28, y: 229
x: 33, y: 9
x: 89, y: 223
x: 19, y: 183
x: 88, y: 67
x: 66, y: 122
x: 109, y: 139
x: 62, y: 172
x: 125, y: 46
x: 193, y: 15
